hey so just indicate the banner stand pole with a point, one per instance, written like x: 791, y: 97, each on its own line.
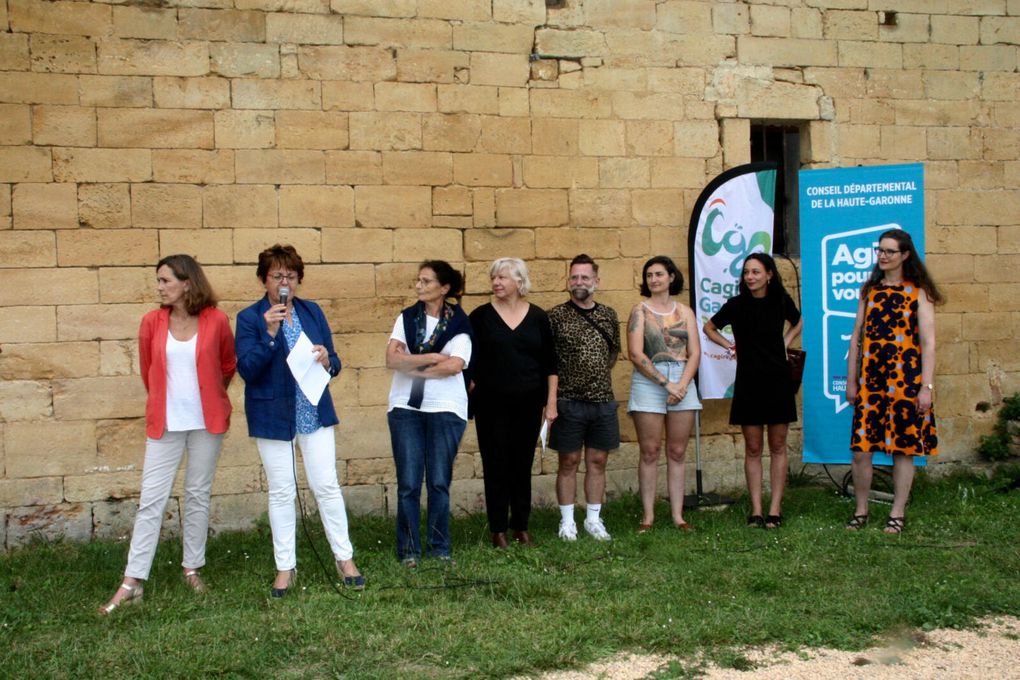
x: 700, y: 499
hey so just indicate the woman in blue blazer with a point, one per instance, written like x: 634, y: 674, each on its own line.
x: 279, y: 413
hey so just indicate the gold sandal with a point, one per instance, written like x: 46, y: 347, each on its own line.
x: 134, y: 596
x: 195, y: 582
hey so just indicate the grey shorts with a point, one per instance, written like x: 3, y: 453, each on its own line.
x: 648, y: 396
x: 581, y: 424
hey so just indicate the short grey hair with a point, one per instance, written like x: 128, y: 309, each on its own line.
x: 516, y: 268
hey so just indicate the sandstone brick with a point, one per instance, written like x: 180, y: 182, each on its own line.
x: 49, y: 522
x: 208, y: 92
x: 770, y: 21
x: 153, y: 58
x: 193, y: 166
x: 248, y: 243
x: 555, y: 42
x: 89, y: 247
x: 555, y: 172
x: 316, y: 206
x: 519, y: 11
x: 228, y: 207
x: 600, y: 207
x: 1001, y: 144
x: 430, y: 66
x: 245, y: 129
x: 28, y: 324
x: 483, y: 201
x: 997, y: 268
x: 787, y: 52
x: 42, y: 449
x: 730, y: 19
x: 129, y: 284
x: 166, y: 206
x: 27, y: 249
x: 244, y: 60
x: 103, y: 486
x: 603, y: 137
x: 209, y: 245
x: 554, y: 137
x: 417, y: 167
x: 63, y: 126
x: 383, y: 131
x: 488, y: 37
x: 304, y: 29
x: 505, y: 135
x: 45, y: 206
x: 49, y: 286
x: 467, y: 99
x: 480, y: 169
x: 450, y: 132
x: 616, y: 173
x: 271, y: 166
x: 353, y: 167
x: 104, y: 206
x: 570, y: 104
x: 411, y: 245
x: 363, y: 349
x: 102, y: 165
x: 659, y: 207
x: 981, y: 174
x: 62, y: 18
x: 39, y: 88
x: 867, y: 111
x: 221, y: 25
x: 249, y: 93
x: 147, y: 23
x: 14, y: 52
x: 904, y: 143
x: 531, y: 207
x: 953, y: 143
x: 311, y: 130
x: 24, y: 400
x: 850, y: 25
x: 393, y: 206
x: 347, y: 96
x: 806, y: 22
x: 395, y: 32
x: 491, y: 68
x: 62, y: 54
x: 955, y: 30
x: 15, y: 124
x: 46, y: 360
x: 114, y: 90
x: 405, y: 96
x: 395, y: 8
x: 488, y: 244
x: 362, y: 433
x: 357, y: 245
x: 396, y: 278
x: 514, y: 101
x: 371, y: 64
x: 566, y: 242
x: 451, y: 200
x: 151, y: 128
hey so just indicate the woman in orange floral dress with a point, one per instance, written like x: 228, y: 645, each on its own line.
x: 890, y: 373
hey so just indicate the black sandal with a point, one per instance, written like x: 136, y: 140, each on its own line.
x: 895, y: 525
x: 773, y: 521
x: 857, y: 522
x: 756, y: 521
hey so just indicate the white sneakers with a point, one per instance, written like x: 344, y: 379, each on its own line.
x: 568, y: 530
x: 595, y: 528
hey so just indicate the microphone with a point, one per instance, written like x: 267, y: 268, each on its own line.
x: 284, y: 295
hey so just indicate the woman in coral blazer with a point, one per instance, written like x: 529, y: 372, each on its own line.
x: 187, y: 360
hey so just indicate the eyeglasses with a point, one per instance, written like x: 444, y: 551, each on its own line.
x: 423, y: 282
x: 284, y: 277
x: 888, y: 252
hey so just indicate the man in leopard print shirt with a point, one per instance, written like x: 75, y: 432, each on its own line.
x: 587, y: 338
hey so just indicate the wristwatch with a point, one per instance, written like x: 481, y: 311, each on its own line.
x: 930, y: 386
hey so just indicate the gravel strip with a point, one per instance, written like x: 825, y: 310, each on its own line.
x: 991, y: 650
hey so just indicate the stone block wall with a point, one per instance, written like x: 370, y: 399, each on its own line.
x: 374, y: 134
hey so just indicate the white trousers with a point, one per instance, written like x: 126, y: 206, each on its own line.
x: 162, y: 459
x: 318, y: 451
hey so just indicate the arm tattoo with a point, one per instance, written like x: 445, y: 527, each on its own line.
x: 635, y: 319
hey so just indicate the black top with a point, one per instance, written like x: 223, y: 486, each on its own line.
x: 762, y: 392
x: 513, y: 363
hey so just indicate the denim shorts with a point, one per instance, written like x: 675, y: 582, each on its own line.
x: 647, y: 396
x: 584, y: 424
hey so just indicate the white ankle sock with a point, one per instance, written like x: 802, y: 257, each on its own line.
x: 567, y: 513
x: 593, y: 510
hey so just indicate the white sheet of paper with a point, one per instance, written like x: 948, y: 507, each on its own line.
x: 310, y: 375
x: 543, y: 434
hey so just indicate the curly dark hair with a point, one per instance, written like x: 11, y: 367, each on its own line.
x: 676, y: 286
x: 285, y: 257
x: 446, y: 275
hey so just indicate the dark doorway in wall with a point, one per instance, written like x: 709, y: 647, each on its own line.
x: 781, y: 143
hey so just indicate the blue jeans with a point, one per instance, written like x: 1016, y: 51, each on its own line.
x: 424, y: 444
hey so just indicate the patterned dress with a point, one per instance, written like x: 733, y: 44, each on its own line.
x: 885, y: 418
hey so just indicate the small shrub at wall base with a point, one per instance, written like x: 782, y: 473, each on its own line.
x: 996, y: 446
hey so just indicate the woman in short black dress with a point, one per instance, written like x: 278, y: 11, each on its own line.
x: 763, y: 393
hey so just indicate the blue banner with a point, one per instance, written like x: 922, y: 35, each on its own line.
x: 842, y: 213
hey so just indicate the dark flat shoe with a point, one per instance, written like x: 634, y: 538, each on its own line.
x: 282, y: 592
x: 524, y: 538
x: 756, y: 521
x: 355, y: 582
x: 644, y: 528
x: 773, y: 521
x: 499, y: 541
x: 684, y: 526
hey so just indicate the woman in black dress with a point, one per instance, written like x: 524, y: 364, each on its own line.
x: 763, y: 393
x: 514, y: 380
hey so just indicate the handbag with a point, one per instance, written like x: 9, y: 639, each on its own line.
x: 795, y: 362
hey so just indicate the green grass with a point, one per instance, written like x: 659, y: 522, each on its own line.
x: 496, y: 614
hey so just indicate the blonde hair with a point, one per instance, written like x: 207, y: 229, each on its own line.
x: 516, y: 268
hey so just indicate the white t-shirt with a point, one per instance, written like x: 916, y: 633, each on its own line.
x: 441, y: 394
x: 183, y: 399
